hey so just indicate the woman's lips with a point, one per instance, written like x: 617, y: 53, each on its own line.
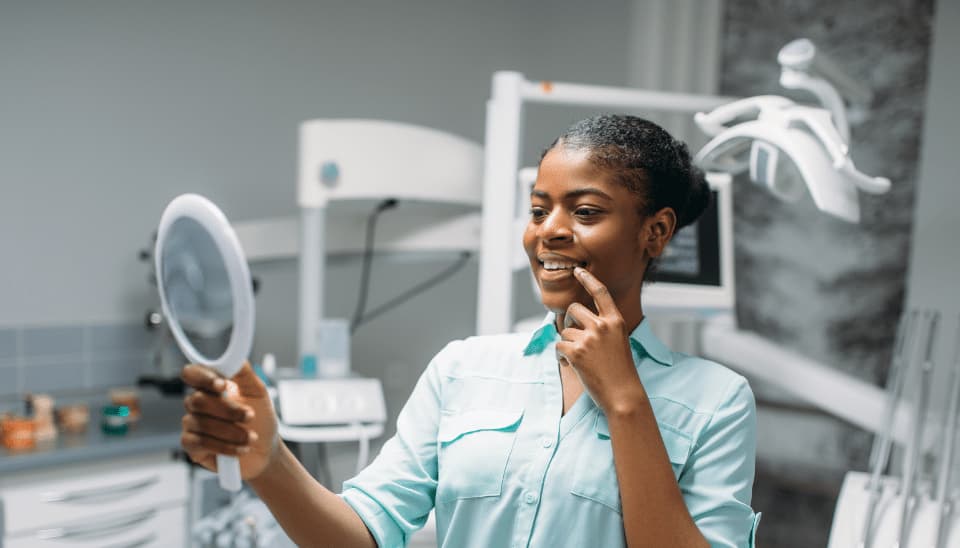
x: 557, y: 274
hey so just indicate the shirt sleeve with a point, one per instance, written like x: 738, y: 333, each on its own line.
x: 718, y: 480
x: 395, y: 493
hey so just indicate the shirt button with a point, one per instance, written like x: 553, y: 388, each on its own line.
x: 530, y: 498
x: 546, y: 443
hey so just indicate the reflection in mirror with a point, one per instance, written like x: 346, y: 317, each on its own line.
x: 197, y: 287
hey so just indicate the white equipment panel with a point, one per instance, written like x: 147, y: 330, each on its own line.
x: 413, y: 163
x: 306, y: 402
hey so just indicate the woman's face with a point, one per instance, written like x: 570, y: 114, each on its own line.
x: 580, y: 218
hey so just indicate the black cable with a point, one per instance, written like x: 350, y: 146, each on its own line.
x: 414, y: 291
x: 367, y: 258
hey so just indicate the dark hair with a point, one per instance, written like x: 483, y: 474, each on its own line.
x: 643, y: 157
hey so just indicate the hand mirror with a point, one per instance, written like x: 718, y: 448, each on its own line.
x: 206, y: 294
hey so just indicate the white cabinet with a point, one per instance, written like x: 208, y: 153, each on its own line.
x: 148, y: 529
x: 121, y: 503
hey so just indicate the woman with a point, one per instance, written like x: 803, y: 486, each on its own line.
x: 590, y: 432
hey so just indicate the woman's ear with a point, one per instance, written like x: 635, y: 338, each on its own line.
x: 657, y: 231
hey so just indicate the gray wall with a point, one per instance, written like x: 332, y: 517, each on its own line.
x: 108, y: 109
x: 111, y: 108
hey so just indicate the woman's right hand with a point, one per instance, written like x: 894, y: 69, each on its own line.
x: 242, y: 424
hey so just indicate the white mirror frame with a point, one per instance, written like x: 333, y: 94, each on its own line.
x: 203, y: 211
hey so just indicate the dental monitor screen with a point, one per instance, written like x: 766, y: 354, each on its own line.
x: 696, y: 269
x: 693, y: 256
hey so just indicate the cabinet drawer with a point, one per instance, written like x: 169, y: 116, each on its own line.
x: 75, y: 494
x: 149, y: 528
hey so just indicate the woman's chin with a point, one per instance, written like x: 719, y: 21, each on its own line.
x: 558, y: 302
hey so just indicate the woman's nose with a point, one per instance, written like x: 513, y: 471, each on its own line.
x: 555, y: 228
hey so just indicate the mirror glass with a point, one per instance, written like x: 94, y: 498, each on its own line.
x: 197, y: 287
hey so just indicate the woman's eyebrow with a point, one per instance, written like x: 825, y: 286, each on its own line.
x: 576, y: 193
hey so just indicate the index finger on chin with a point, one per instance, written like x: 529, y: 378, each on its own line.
x: 596, y: 289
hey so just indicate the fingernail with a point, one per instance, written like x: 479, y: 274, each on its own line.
x: 247, y: 415
x: 253, y: 437
x: 218, y: 384
x: 244, y: 450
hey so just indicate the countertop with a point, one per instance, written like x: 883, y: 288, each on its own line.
x: 157, y: 430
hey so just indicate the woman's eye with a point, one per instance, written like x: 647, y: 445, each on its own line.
x: 586, y: 212
x: 537, y: 213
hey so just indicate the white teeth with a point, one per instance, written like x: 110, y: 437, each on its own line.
x: 550, y: 265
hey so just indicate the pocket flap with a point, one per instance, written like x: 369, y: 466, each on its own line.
x: 677, y: 443
x: 454, y: 425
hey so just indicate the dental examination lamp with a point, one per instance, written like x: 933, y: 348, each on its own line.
x: 787, y: 147
x: 206, y: 290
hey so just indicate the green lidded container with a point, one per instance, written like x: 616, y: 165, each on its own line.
x: 115, y: 419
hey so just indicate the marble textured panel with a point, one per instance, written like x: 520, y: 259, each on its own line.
x: 830, y: 290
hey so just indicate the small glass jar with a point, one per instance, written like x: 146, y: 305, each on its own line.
x: 115, y: 419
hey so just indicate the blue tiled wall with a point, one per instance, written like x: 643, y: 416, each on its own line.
x: 72, y: 357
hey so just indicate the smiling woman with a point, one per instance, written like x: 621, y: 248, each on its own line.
x: 586, y: 432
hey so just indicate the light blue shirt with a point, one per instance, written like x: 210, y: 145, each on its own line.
x: 483, y: 441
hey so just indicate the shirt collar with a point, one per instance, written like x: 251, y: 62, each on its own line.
x: 642, y: 341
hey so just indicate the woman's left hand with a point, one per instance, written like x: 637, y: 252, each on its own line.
x: 597, y: 346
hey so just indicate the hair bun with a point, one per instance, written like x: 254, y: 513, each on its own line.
x: 698, y: 198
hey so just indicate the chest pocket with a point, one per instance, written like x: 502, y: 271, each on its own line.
x: 474, y: 447
x: 595, y: 477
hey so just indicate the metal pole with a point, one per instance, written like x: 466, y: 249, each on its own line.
x: 943, y: 506
x: 915, y: 452
x: 562, y: 93
x: 881, y: 447
x: 504, y: 133
x: 312, y: 259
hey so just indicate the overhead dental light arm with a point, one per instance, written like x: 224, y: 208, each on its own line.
x: 715, y: 122
x: 805, y: 67
x: 808, y: 139
x: 803, y: 56
x: 815, y: 140
x: 826, y: 93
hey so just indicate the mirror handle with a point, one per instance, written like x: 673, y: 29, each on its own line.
x: 228, y: 469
